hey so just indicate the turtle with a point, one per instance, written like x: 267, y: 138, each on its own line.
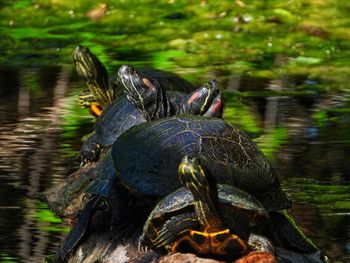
x: 186, y: 221
x: 99, y: 93
x: 144, y: 160
x: 114, y: 121
x: 147, y: 156
x: 207, y: 219
x: 121, y: 114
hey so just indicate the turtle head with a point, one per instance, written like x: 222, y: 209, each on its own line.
x: 200, y: 100
x: 217, y: 106
x: 95, y: 74
x: 204, y: 190
x: 87, y: 64
x: 192, y: 176
x: 144, y: 93
x: 196, y: 178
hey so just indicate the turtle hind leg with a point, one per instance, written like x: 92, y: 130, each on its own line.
x: 290, y: 234
x: 78, y: 230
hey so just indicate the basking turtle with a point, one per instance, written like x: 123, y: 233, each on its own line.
x: 121, y: 114
x: 147, y: 157
x: 193, y: 219
x: 207, y: 219
x: 99, y: 93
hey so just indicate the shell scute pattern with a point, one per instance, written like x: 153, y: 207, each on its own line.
x: 116, y: 118
x: 230, y: 156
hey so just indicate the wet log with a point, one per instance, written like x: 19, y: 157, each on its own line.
x: 67, y: 198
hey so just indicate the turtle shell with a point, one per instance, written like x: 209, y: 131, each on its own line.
x: 118, y: 117
x: 121, y: 115
x: 230, y: 197
x: 238, y: 210
x: 148, y: 155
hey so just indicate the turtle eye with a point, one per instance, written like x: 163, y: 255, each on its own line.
x: 130, y: 70
x: 196, y: 161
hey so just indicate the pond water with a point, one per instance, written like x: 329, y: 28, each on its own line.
x: 285, y: 66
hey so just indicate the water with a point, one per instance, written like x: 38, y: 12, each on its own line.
x: 41, y: 128
x: 33, y: 157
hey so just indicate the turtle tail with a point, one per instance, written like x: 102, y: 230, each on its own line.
x: 78, y: 230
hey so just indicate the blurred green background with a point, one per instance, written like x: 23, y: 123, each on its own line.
x: 259, y: 38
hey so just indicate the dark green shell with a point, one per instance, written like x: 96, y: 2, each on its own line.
x: 148, y: 155
x: 118, y: 117
x: 122, y: 115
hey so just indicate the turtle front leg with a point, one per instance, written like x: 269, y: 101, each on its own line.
x: 90, y: 151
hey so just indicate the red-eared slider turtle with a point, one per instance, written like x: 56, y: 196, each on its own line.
x: 122, y: 114
x: 147, y: 157
x: 113, y: 122
x: 186, y: 221
x: 99, y: 93
x: 207, y: 219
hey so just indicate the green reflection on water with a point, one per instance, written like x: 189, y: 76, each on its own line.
x: 44, y: 215
x: 4, y: 258
x: 72, y: 122
x: 320, y: 195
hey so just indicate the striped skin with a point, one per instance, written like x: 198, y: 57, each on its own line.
x: 204, y: 218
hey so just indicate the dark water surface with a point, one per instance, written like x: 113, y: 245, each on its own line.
x: 305, y: 135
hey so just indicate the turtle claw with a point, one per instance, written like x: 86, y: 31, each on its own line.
x: 141, y: 244
x: 142, y: 249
